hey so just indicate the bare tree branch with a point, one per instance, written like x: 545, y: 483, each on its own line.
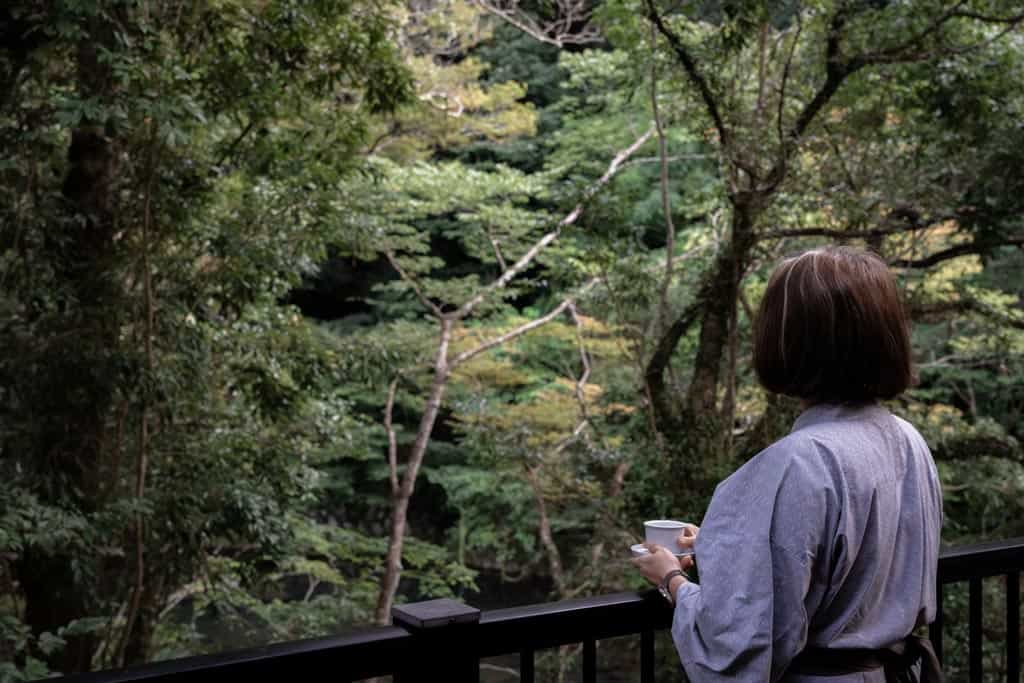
x: 666, y: 205
x: 570, y: 27
x: 892, y: 228
x: 400, y: 502
x: 936, y: 311
x: 546, y: 537
x: 532, y: 472
x: 988, y: 18
x: 442, y: 371
x: 389, y: 408
x: 692, y: 71
x: 785, y: 76
x: 550, y: 237
x: 911, y: 57
x: 842, y: 159
x: 654, y: 374
x: 917, y: 39
x: 497, y: 250
x: 956, y: 251
x: 142, y: 464
x: 521, y: 329
x: 837, y: 70
x: 427, y: 303
x: 618, y: 479
x: 762, y: 68
x: 584, y: 377
x: 640, y: 161
x: 910, y: 50
x: 510, y: 335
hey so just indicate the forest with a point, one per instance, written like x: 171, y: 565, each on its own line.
x: 312, y: 307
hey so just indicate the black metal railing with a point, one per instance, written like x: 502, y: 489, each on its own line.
x: 438, y: 643
x: 972, y: 564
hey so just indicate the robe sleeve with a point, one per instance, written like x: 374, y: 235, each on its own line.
x: 756, y: 552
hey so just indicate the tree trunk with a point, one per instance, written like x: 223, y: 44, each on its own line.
x: 547, y: 539
x: 400, y: 499
x: 140, y: 639
x: 697, y: 431
x: 719, y: 305
x: 54, y: 593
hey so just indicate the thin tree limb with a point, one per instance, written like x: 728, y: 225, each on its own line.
x: 640, y: 161
x: 143, y: 461
x: 963, y: 304
x: 527, y: 258
x: 666, y: 205
x: 443, y: 368
x: 762, y: 67
x: 956, y: 252
x: 909, y: 50
x: 237, y: 141
x: 389, y: 408
x: 842, y: 159
x: 908, y: 58
x: 837, y: 70
x: 857, y: 234
x: 497, y: 250
x: 521, y: 329
x: 785, y: 78
x: 427, y: 303
x: 654, y: 374
x: 584, y: 377
x: 400, y: 502
x: 546, y: 537
x: 693, y: 72
x: 561, y: 32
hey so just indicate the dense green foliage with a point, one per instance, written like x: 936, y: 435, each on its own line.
x: 272, y: 271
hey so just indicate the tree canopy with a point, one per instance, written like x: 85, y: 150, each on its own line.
x: 312, y: 306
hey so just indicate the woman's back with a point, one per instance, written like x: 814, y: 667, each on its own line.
x: 884, y: 544
x: 828, y: 538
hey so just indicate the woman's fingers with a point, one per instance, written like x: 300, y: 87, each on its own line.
x: 688, y: 536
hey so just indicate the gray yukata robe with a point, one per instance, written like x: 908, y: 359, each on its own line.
x: 828, y: 538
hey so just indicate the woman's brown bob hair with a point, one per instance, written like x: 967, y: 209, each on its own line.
x: 832, y: 329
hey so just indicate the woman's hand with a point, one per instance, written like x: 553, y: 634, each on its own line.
x: 686, y: 540
x: 661, y: 561
x: 658, y: 563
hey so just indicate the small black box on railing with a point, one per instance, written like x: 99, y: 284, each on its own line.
x: 434, y: 614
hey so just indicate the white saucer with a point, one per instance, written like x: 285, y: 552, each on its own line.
x: 639, y: 550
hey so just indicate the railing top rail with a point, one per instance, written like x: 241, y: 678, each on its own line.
x: 365, y: 653
x: 979, y: 560
x: 375, y: 651
x: 545, y: 625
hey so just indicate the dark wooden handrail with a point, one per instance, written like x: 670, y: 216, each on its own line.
x: 979, y: 560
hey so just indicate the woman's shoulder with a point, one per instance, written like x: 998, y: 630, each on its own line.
x: 910, y: 432
x: 796, y: 457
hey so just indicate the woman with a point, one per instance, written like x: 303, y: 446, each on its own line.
x: 818, y: 556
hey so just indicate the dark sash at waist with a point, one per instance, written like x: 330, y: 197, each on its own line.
x: 898, y: 661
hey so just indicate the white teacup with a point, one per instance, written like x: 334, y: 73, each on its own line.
x: 664, y: 532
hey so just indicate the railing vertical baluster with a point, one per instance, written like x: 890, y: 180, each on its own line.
x: 590, y: 661
x: 974, y: 629
x: 1013, y: 627
x: 526, y: 666
x: 647, y: 657
x: 935, y: 630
